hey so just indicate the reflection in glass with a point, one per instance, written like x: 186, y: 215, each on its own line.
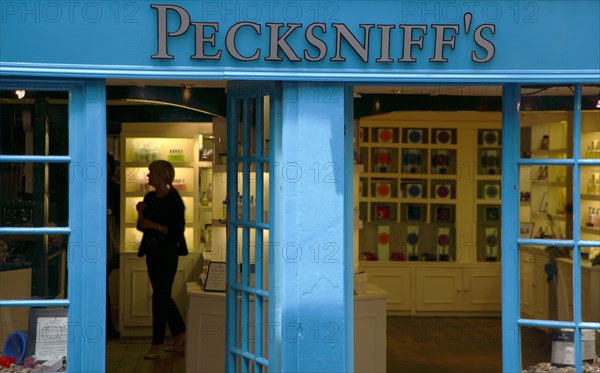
x: 34, y: 125
x: 44, y: 257
x: 35, y: 194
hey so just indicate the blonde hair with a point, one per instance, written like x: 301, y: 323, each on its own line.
x: 164, y: 170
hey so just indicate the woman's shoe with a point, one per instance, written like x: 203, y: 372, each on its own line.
x: 178, y: 346
x: 153, y: 353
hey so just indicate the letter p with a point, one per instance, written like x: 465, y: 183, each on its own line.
x: 163, y: 33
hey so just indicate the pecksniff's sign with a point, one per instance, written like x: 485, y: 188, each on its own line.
x: 321, y: 41
x: 352, y: 40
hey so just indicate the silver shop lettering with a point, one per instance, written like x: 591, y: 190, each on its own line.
x: 321, y: 41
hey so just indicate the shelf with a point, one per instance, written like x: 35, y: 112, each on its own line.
x: 591, y: 197
x: 488, y: 177
x: 175, y: 164
x: 546, y: 153
x: 142, y: 194
x: 545, y: 183
x: 437, y: 201
x: 544, y: 215
x: 379, y: 145
x: 188, y: 224
x: 590, y: 230
x: 496, y: 201
x: 380, y: 199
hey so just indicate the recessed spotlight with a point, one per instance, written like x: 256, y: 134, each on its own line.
x: 20, y: 93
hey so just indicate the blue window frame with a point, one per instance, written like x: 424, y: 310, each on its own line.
x: 83, y: 228
x: 249, y: 301
x: 558, y: 167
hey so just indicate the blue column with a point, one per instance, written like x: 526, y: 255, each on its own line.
x: 87, y: 243
x: 511, y: 294
x: 313, y: 223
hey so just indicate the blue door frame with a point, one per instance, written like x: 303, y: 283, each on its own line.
x: 511, y: 160
x: 86, y: 262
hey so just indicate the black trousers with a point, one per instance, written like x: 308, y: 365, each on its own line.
x: 162, y: 270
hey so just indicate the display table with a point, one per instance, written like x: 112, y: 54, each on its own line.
x: 205, y: 344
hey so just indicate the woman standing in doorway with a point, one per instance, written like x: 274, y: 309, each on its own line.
x: 161, y: 216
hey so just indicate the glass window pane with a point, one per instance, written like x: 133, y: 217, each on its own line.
x: 547, y: 121
x: 34, y: 194
x: 589, y: 213
x: 36, y: 124
x: 546, y: 201
x: 536, y: 348
x: 590, y: 122
x: 44, y: 260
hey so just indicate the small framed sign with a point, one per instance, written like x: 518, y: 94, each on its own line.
x: 526, y: 229
x: 216, y: 279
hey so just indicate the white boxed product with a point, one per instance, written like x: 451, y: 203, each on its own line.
x: 563, y: 346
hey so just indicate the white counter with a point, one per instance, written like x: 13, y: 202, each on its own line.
x: 590, y: 283
x: 205, y: 345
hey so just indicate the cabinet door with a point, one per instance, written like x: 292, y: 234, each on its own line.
x: 397, y: 283
x: 482, y: 289
x: 439, y: 289
x: 137, y: 291
x: 137, y: 307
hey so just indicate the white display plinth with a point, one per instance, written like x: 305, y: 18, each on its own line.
x: 205, y: 345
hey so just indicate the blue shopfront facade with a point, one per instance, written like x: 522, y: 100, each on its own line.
x: 305, y: 56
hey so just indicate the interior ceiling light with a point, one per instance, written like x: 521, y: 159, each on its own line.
x: 20, y: 93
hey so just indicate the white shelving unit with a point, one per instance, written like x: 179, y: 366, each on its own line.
x: 142, y: 143
x: 439, y: 173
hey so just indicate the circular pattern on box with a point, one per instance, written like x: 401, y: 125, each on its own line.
x: 490, y: 138
x: 385, y: 135
x: 443, y: 137
x: 443, y: 240
x: 491, y: 191
x: 383, y: 190
x: 412, y: 238
x: 383, y: 238
x: 443, y: 191
x: 415, y: 136
x: 384, y: 158
x: 414, y: 191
